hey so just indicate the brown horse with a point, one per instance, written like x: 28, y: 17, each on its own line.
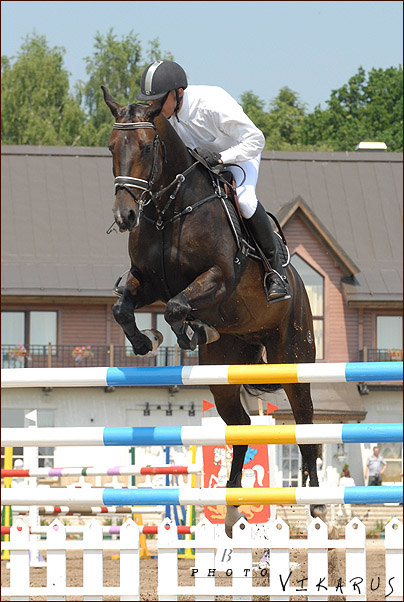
x: 184, y: 253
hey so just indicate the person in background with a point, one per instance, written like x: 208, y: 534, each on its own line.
x: 375, y: 467
x: 345, y: 479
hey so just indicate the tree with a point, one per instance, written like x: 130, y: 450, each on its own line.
x: 118, y: 65
x: 369, y: 107
x: 35, y: 102
x: 285, y: 120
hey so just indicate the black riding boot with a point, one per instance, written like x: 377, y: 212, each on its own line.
x: 260, y: 227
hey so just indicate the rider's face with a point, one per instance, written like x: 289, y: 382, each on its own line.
x: 169, y: 105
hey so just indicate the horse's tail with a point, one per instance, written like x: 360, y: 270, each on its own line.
x: 257, y: 389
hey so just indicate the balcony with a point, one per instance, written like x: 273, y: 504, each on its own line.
x: 380, y: 355
x: 63, y: 356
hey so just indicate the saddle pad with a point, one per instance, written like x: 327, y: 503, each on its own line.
x: 242, y: 240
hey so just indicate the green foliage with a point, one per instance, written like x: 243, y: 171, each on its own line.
x: 366, y: 108
x: 35, y: 102
x: 118, y: 65
x: 38, y: 108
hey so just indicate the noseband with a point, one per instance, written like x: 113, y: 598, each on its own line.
x: 128, y: 182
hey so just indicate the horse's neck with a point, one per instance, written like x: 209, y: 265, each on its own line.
x: 177, y: 155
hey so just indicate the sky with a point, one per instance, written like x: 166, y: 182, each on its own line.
x: 311, y: 47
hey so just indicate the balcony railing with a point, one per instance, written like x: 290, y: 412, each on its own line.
x: 62, y: 356
x: 380, y: 355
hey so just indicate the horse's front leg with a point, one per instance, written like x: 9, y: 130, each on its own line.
x: 123, y: 311
x: 206, y: 290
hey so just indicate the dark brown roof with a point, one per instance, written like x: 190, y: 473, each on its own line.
x: 56, y: 208
x: 357, y: 199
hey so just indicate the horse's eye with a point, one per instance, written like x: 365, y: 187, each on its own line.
x: 147, y: 148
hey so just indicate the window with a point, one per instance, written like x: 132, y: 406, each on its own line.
x: 291, y: 464
x: 314, y: 284
x: 17, y: 418
x: 42, y: 330
x: 32, y: 329
x: 393, y: 454
x: 390, y: 336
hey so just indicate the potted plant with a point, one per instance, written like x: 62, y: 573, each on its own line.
x: 17, y: 351
x: 82, y: 352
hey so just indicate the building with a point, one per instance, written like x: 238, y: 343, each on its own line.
x: 342, y: 216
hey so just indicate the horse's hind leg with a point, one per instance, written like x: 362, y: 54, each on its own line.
x: 302, y: 406
x: 231, y: 350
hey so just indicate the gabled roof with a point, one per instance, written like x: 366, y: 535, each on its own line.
x: 56, y: 208
x: 300, y: 208
x: 354, y: 202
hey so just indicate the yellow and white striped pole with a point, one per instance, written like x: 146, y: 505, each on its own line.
x: 8, y: 464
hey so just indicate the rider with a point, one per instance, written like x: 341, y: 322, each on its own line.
x: 209, y: 118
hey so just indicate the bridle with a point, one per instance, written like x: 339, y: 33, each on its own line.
x: 129, y: 183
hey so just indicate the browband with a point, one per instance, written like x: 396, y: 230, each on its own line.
x: 133, y: 126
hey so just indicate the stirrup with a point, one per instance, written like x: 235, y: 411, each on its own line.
x: 281, y: 297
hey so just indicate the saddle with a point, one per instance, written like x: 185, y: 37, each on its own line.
x: 225, y: 187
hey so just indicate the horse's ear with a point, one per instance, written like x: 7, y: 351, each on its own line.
x: 112, y: 104
x: 155, y: 109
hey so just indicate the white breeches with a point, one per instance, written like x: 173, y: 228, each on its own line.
x: 246, y: 192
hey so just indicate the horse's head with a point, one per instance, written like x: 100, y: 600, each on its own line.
x: 137, y: 158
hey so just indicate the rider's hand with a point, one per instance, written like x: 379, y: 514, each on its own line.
x: 210, y: 157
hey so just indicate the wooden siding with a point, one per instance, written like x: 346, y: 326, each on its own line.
x: 340, y: 343
x: 346, y: 330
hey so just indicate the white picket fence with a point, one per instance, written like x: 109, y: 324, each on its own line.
x: 235, y: 564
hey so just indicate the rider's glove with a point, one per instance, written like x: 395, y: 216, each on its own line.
x: 210, y: 157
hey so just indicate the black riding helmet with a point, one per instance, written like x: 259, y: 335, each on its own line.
x: 159, y: 78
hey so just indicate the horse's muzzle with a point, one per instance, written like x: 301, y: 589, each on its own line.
x: 126, y: 219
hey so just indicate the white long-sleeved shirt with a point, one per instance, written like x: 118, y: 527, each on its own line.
x: 211, y: 119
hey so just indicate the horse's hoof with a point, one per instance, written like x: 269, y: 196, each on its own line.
x: 232, y: 517
x: 206, y: 334
x: 141, y: 345
x: 118, y: 291
x: 187, y: 338
x: 318, y: 511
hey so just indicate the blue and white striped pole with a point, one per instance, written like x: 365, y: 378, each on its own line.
x: 202, y: 375
x: 25, y: 496
x: 200, y: 435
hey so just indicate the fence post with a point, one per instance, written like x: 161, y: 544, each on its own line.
x: 56, y: 559
x: 205, y: 533
x: 49, y: 355
x: 393, y: 533
x: 92, y: 559
x: 19, y: 559
x: 167, y: 561
x: 242, y: 578
x: 317, y: 558
x: 111, y: 355
x: 355, y: 559
x: 278, y: 533
x: 129, y: 560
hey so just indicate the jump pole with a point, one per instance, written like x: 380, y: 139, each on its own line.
x: 202, y: 497
x: 200, y: 435
x: 89, y: 471
x: 202, y: 375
